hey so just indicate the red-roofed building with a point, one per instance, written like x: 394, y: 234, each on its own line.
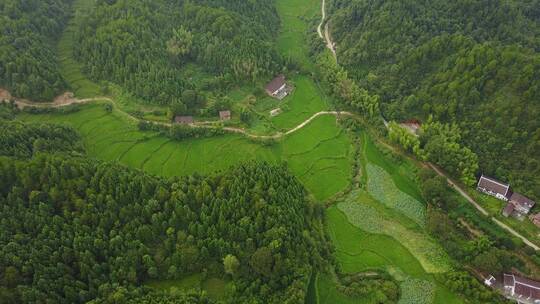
x: 225, y: 115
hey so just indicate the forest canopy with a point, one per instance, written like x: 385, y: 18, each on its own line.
x: 470, y: 63
x: 145, y: 46
x: 28, y: 61
x: 75, y: 230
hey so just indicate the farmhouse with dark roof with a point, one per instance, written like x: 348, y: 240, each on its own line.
x: 277, y: 88
x: 518, y: 204
x: 493, y: 187
x: 522, y: 290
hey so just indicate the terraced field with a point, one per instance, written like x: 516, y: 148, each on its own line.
x: 318, y: 154
x: 369, y: 234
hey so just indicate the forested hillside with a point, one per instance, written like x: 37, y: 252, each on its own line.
x: 28, y: 61
x: 145, y: 45
x: 74, y: 229
x: 472, y: 63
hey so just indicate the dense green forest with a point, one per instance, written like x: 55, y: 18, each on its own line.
x: 145, y: 46
x: 28, y: 61
x: 472, y: 63
x: 74, y: 229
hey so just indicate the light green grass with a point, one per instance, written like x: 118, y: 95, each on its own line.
x: 358, y: 250
x: 70, y: 69
x: 295, y: 16
x: 361, y: 213
x: 216, y: 288
x: 305, y: 100
x: 319, y: 154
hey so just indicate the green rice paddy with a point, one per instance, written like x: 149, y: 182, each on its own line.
x: 295, y: 18
x: 371, y: 235
x: 70, y: 69
x: 319, y: 154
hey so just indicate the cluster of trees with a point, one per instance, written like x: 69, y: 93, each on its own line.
x: 22, y: 140
x: 74, y: 230
x: 462, y: 282
x: 28, y: 63
x: 145, y: 45
x: 474, y: 241
x: 345, y: 88
x: 441, y: 144
x: 381, y: 288
x: 473, y: 63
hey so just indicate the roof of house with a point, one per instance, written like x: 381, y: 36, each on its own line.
x: 275, y: 84
x: 522, y: 200
x: 508, y: 209
x: 493, y: 185
x: 522, y: 286
x: 183, y: 119
x: 225, y: 114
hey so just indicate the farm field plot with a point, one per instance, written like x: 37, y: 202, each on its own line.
x: 294, y: 16
x: 321, y: 162
x: 382, y: 188
x: 70, y: 69
x: 359, y: 250
x: 402, y: 172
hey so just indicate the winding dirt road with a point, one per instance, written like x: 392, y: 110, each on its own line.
x: 68, y: 99
x: 326, y: 35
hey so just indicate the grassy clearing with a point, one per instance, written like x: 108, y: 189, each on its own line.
x: 70, y: 69
x: 319, y: 154
x: 295, y: 16
x: 217, y: 289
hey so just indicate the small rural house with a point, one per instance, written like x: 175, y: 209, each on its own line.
x: 277, y: 88
x: 522, y: 204
x: 493, y: 187
x: 490, y: 281
x: 183, y: 120
x: 225, y: 115
x: 275, y: 112
x: 521, y: 290
x: 412, y: 125
x: 518, y: 204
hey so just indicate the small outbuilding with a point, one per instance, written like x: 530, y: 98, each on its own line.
x: 183, y: 120
x: 275, y: 112
x: 225, y: 115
